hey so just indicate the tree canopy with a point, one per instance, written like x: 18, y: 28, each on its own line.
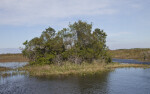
x: 76, y: 44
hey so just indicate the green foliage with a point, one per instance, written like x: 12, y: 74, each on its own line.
x: 77, y: 43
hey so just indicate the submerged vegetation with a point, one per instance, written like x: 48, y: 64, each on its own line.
x: 75, y: 44
x: 137, y: 53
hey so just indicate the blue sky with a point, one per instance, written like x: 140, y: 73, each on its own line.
x: 126, y: 22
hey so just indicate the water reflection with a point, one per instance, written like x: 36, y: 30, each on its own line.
x: 21, y: 84
x: 129, y: 61
x: 129, y: 81
x: 93, y: 84
x: 13, y: 65
x: 119, y: 81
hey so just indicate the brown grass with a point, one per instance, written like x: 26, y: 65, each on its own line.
x: 138, y: 54
x: 118, y: 65
x: 74, y: 69
x: 3, y: 69
x: 66, y: 69
x: 13, y: 58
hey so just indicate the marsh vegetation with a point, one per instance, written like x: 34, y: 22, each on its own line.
x: 13, y: 58
x: 137, y: 54
x: 3, y: 68
x: 69, y: 69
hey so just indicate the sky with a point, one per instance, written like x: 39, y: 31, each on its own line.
x: 126, y: 22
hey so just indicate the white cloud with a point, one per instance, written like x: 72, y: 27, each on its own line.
x: 40, y: 11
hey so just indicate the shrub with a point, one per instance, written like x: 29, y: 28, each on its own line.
x: 76, y: 44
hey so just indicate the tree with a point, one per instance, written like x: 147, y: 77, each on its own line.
x: 76, y: 44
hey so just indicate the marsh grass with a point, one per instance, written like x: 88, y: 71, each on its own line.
x: 4, y: 69
x: 75, y: 69
x: 137, y: 53
x: 118, y: 65
x: 12, y: 58
x: 66, y: 69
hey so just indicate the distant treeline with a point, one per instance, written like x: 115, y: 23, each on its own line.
x: 142, y: 54
x: 75, y: 44
x: 13, y: 58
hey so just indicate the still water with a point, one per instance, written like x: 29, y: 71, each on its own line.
x: 129, y: 61
x: 119, y: 81
x: 13, y: 65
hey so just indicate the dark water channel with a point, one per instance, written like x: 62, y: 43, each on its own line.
x: 119, y: 81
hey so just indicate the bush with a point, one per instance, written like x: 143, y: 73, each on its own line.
x: 76, y: 44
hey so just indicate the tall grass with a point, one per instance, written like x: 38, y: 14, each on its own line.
x: 66, y: 69
x: 3, y: 69
x: 12, y: 58
x: 74, y: 69
x: 139, y: 54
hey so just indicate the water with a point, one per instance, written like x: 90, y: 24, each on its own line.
x: 129, y: 61
x: 13, y: 65
x: 119, y: 81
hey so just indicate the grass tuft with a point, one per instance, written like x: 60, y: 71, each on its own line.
x: 75, y: 69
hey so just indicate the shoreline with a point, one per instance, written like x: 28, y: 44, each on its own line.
x: 73, y: 69
x: 141, y: 54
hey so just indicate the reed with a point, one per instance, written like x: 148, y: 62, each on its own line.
x: 75, y: 69
x: 138, y: 54
x: 3, y: 69
x: 13, y: 58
